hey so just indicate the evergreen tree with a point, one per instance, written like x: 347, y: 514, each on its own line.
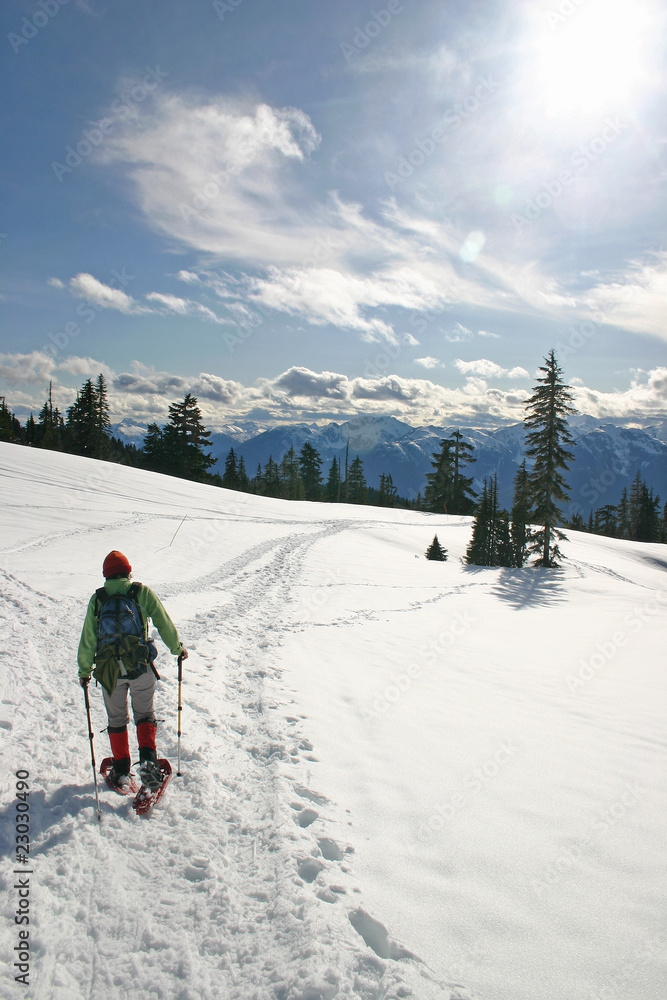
x: 10, y: 426
x: 504, y: 554
x: 82, y: 422
x: 292, y: 484
x: 48, y: 432
x: 491, y: 543
x: 244, y: 481
x: 623, y: 529
x: 186, y: 437
x: 355, y: 485
x: 332, y: 488
x: 154, y: 457
x: 605, y: 521
x: 101, y: 443
x: 462, y: 495
x: 230, y: 477
x: 477, y: 553
x: 663, y: 527
x: 547, y: 438
x: 310, y: 469
x: 273, y: 487
x: 438, y: 492
x: 520, y: 516
x: 436, y: 551
x: 577, y: 522
x: 387, y: 494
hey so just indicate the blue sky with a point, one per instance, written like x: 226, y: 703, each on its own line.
x: 311, y: 209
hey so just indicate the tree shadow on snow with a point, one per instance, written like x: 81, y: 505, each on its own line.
x: 530, y: 587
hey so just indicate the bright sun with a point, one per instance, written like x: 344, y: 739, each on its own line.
x: 592, y: 57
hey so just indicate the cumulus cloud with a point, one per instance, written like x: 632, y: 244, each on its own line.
x: 142, y: 394
x: 26, y: 369
x: 428, y: 362
x: 489, y: 369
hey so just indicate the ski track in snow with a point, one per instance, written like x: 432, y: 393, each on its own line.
x: 232, y: 888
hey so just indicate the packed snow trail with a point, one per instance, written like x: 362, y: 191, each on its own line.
x: 223, y: 891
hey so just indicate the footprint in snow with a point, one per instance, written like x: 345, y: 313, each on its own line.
x: 199, y: 870
x: 309, y: 869
x: 306, y: 793
x: 6, y: 725
x: 377, y: 937
x: 330, y: 849
x: 306, y: 817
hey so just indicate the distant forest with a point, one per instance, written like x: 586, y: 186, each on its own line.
x: 500, y: 537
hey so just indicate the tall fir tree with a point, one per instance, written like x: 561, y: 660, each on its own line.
x: 355, y: 484
x: 230, y: 477
x: 310, y: 469
x: 438, y: 492
x: 290, y: 477
x: 186, y: 438
x: 547, y: 440
x: 463, y: 495
x: 520, y: 516
x: 332, y: 488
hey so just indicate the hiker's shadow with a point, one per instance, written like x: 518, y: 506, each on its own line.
x: 44, y: 813
x: 530, y: 587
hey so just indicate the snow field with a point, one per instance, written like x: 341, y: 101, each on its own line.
x: 397, y: 775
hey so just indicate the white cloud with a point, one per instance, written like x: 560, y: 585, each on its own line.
x: 428, y: 362
x: 85, y: 286
x: 55, y: 283
x: 489, y: 369
x: 143, y: 395
x: 234, y: 180
x: 26, y: 369
x: 183, y: 307
x: 637, y: 303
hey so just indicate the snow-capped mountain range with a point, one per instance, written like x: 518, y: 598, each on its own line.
x: 607, y: 456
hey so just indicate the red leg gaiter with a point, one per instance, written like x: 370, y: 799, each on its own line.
x: 120, y: 748
x: 146, y: 735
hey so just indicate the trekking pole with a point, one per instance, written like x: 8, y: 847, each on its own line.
x: 92, y: 752
x: 180, y: 709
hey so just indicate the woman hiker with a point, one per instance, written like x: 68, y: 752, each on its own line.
x: 115, y: 641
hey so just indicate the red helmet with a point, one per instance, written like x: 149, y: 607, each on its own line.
x: 116, y: 563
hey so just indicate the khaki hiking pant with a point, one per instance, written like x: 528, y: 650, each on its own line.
x: 141, y: 689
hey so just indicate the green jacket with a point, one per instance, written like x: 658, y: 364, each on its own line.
x: 151, y: 607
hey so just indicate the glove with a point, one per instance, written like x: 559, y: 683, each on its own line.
x: 184, y: 653
x: 84, y: 681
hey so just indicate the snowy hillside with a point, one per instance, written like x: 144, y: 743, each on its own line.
x: 400, y: 778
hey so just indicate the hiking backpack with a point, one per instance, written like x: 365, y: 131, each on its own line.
x: 122, y: 647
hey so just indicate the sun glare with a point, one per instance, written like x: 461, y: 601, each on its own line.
x: 592, y: 57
